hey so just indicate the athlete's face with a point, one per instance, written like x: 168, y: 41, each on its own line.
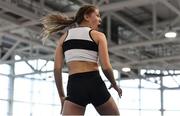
x: 94, y: 19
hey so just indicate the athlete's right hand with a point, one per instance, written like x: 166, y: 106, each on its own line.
x: 118, y: 89
x: 62, y: 103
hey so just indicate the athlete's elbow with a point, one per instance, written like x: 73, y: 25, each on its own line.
x: 57, y: 70
x: 106, y: 66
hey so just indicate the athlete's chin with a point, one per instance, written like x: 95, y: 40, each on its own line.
x: 95, y: 28
x: 98, y: 27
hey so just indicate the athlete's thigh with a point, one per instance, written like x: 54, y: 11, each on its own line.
x: 70, y: 108
x: 108, y: 108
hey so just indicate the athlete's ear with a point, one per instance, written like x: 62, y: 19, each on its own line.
x: 86, y: 17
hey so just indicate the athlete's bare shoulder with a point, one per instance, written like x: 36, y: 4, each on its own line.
x: 97, y: 33
x: 97, y: 36
x: 62, y: 38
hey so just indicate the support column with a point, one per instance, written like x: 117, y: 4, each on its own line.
x: 1, y: 47
x: 42, y: 7
x: 140, y: 87
x: 109, y: 27
x: 154, y: 20
x: 11, y: 90
x: 114, y: 31
x: 161, y: 95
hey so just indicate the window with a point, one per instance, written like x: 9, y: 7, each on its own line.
x: 150, y: 99
x: 172, y: 113
x: 130, y: 98
x: 171, y: 100
x: 150, y: 113
x: 22, y: 89
x: 5, y: 69
x: 4, y: 87
x: 20, y: 108
x: 4, y: 108
x: 22, y: 68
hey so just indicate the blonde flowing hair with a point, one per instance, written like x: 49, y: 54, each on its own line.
x: 56, y: 21
x: 53, y: 23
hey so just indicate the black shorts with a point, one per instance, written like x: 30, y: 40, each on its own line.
x: 87, y: 87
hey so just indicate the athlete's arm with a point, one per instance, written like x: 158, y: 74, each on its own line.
x: 58, y: 64
x: 100, y: 39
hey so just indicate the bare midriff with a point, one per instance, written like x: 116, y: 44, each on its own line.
x: 81, y: 66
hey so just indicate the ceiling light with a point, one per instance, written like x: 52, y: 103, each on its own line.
x: 126, y: 69
x: 170, y: 34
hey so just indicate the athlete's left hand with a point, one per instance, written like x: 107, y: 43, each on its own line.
x: 62, y: 104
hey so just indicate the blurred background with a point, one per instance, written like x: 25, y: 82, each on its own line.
x: 144, y: 47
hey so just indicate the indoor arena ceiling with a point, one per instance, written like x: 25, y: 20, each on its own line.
x: 135, y: 30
